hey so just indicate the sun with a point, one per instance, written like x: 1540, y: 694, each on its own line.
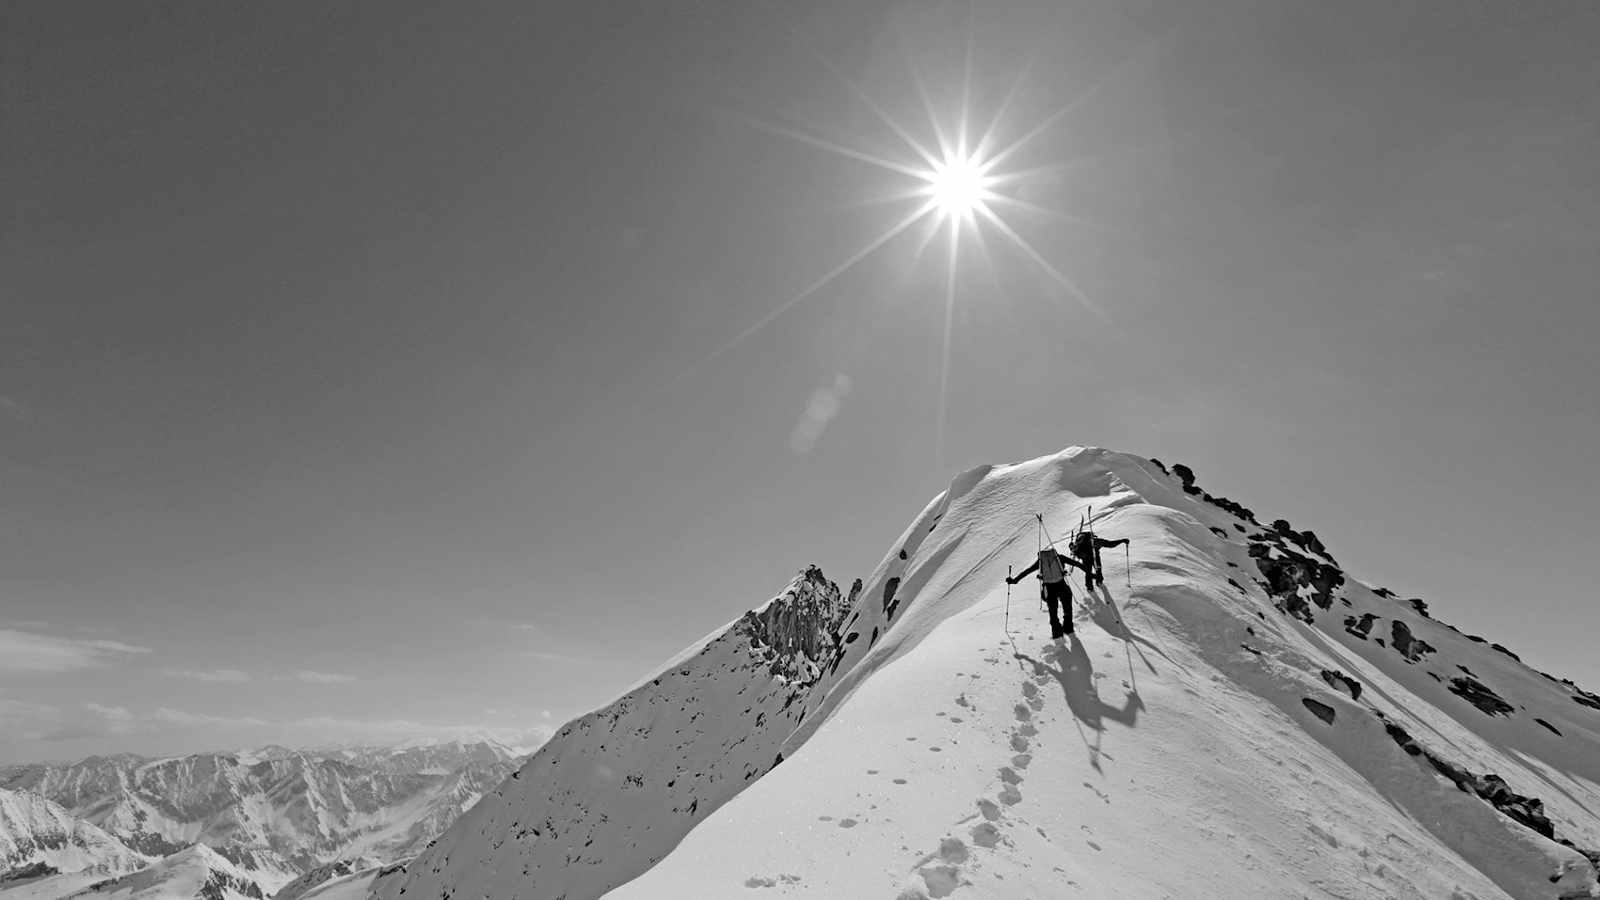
x: 958, y: 187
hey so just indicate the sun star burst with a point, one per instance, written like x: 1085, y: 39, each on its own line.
x: 959, y: 187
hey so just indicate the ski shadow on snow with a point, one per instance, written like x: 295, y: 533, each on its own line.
x: 1073, y: 671
x: 1103, y: 610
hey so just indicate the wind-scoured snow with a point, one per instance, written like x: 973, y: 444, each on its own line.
x: 1235, y: 716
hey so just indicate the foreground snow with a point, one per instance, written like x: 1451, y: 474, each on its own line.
x: 1235, y: 717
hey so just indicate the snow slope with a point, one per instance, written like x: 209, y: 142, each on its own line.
x: 39, y: 839
x: 1236, y: 716
x: 197, y: 872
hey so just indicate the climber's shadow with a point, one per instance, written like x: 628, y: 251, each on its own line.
x: 1103, y: 610
x: 1068, y: 663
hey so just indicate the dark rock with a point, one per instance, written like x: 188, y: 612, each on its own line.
x: 890, y: 604
x: 1287, y: 570
x: 33, y: 870
x: 1408, y: 645
x: 1420, y: 607
x: 1384, y: 592
x: 1159, y: 464
x: 1310, y: 541
x: 1362, y: 627
x: 1547, y: 725
x: 1505, y: 651
x: 1527, y: 811
x: 1185, y: 475
x: 1319, y: 709
x: 1480, y: 695
x: 1341, y: 681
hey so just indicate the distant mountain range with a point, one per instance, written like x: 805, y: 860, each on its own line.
x: 271, y: 814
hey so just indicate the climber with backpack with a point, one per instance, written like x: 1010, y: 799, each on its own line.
x: 1053, y: 587
x: 1086, y: 547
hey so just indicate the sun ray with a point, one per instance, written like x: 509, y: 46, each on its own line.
x: 896, y: 127
x: 1056, y: 215
x: 935, y: 225
x: 1027, y: 248
x: 945, y: 150
x: 871, y: 246
x: 842, y: 150
x: 966, y: 90
x: 982, y: 150
x: 944, y: 355
x: 1044, y: 125
x: 866, y: 99
x: 1085, y: 96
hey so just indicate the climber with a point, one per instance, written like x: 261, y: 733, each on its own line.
x: 1053, y: 586
x: 1086, y: 546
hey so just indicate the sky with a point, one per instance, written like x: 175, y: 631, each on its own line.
x: 379, y: 370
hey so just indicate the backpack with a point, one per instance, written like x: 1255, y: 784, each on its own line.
x: 1083, y: 545
x: 1050, y: 567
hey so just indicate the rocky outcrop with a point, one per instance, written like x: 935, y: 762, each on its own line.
x: 797, y: 632
x: 1341, y: 681
x: 323, y: 873
x: 1294, y: 579
x: 1480, y: 695
x: 1528, y: 811
x: 1319, y: 709
x: 1408, y: 645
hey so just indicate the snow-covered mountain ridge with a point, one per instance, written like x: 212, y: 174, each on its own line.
x: 195, y: 873
x: 39, y: 839
x: 1283, y: 730
x: 276, y: 813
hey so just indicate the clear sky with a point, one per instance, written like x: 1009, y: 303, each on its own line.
x: 365, y: 369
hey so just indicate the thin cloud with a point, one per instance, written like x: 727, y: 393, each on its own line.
x: 311, y: 677
x: 117, y: 718
x: 31, y: 721
x: 92, y: 721
x: 549, y: 656
x: 26, y: 651
x: 224, y: 675
x: 13, y: 408
x: 171, y: 716
x: 820, y: 411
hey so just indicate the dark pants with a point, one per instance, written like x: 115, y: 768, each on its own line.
x: 1092, y: 572
x: 1056, y: 593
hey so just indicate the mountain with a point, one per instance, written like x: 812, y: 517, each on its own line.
x: 276, y: 813
x: 323, y: 874
x: 1235, y: 715
x: 40, y: 841
x: 194, y: 873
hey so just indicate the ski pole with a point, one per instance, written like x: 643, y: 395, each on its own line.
x: 1007, y: 627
